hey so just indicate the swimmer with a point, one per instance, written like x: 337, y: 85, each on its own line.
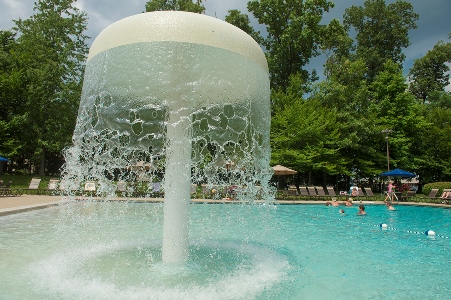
x: 335, y: 202
x: 361, y: 210
x: 328, y: 203
x: 389, y: 206
x: 342, y: 211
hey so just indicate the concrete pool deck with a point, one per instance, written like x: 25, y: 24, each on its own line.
x: 18, y: 204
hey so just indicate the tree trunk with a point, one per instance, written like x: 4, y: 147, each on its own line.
x: 42, y: 166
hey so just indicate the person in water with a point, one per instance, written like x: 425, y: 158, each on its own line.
x: 361, y: 210
x: 389, y: 206
x: 342, y: 211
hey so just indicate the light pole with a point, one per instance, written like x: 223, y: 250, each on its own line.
x: 387, y: 132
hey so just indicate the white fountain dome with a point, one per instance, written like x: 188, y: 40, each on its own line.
x: 178, y: 26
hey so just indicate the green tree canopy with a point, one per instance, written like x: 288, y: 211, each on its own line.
x: 431, y: 72
x: 293, y: 35
x: 381, y: 31
x: 236, y: 18
x: 51, y: 51
x: 178, y: 5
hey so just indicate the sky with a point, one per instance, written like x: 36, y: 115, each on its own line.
x: 434, y: 23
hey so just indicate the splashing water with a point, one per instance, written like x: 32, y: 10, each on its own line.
x: 175, y: 110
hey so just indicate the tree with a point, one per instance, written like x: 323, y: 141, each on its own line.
x: 236, y: 18
x: 431, y: 72
x: 397, y: 109
x: 381, y: 32
x: 305, y: 136
x: 346, y: 92
x: 51, y: 52
x: 433, y: 161
x: 178, y: 5
x: 293, y: 35
x: 335, y: 44
x: 11, y: 98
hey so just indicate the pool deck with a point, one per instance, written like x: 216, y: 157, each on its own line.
x: 18, y: 204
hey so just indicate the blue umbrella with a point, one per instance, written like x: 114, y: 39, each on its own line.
x: 3, y: 159
x: 398, y: 173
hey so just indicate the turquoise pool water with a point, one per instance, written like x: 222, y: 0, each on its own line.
x: 112, y: 251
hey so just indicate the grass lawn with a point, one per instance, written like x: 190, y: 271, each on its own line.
x: 23, y: 181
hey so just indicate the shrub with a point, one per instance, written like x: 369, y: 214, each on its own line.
x: 436, y: 185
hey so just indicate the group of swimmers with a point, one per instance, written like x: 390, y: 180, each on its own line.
x: 348, y: 202
x: 334, y: 202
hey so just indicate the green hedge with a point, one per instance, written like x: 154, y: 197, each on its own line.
x: 436, y: 185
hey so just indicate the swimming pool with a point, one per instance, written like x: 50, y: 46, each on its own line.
x: 112, y: 251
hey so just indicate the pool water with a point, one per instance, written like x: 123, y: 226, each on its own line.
x: 85, y: 250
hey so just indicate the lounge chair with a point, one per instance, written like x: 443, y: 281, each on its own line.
x: 292, y: 190
x: 156, y: 189
x: 304, y: 191
x: 90, y: 187
x: 361, y: 194
x: 121, y: 188
x: 53, y: 184
x: 312, y: 192
x: 409, y: 196
x: 52, y: 187
x: 369, y: 193
x: 193, y: 189
x: 432, y: 195
x: 445, y: 198
x: 331, y: 191
x: 320, y: 192
x: 33, y: 188
x: 34, y: 183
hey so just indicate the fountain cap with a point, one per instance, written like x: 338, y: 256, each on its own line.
x: 178, y: 26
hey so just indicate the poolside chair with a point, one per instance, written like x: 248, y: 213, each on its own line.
x: 34, y: 183
x: 53, y: 184
x: 331, y: 191
x: 409, y: 196
x: 320, y: 192
x: 303, y: 190
x: 312, y: 192
x: 90, y: 187
x: 360, y: 194
x: 121, y: 186
x: 193, y: 189
x: 432, y: 194
x: 292, y: 190
x: 156, y: 189
x: 33, y: 188
x: 445, y: 199
x: 369, y: 193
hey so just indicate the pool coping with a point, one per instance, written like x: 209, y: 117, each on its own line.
x: 24, y: 203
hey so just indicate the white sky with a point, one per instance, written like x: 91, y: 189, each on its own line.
x: 434, y: 23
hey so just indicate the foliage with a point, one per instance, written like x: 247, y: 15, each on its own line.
x: 431, y: 73
x: 293, y: 35
x: 178, y: 5
x: 49, y: 56
x: 236, y: 18
x: 381, y: 31
x: 436, y: 185
x: 434, y: 160
x: 305, y: 136
x: 396, y: 109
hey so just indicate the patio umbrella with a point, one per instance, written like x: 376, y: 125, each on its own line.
x: 3, y: 159
x: 398, y: 173
x: 282, y: 171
